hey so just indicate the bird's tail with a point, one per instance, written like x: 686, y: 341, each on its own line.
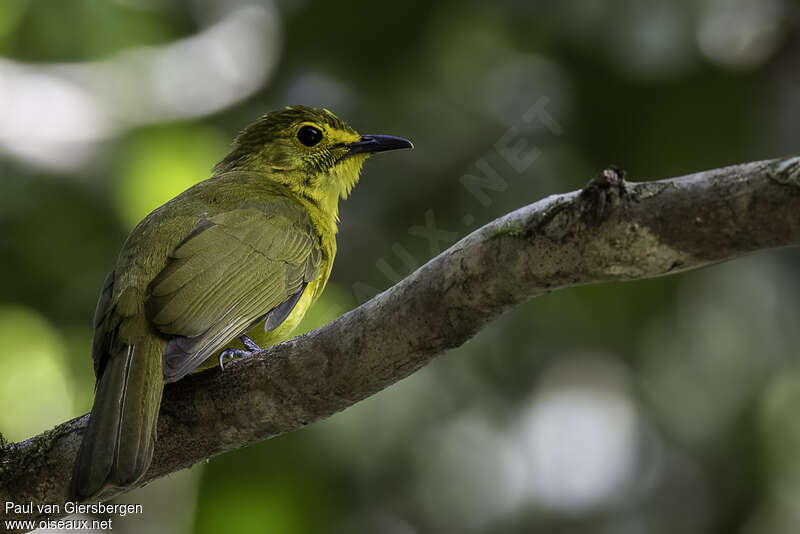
x: 118, y: 442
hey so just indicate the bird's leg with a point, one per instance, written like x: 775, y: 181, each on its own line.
x: 251, y: 345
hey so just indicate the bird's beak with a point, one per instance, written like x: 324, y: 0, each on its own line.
x: 378, y: 143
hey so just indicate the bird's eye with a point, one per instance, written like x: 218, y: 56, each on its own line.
x: 309, y: 136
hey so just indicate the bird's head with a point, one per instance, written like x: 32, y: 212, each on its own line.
x: 310, y: 150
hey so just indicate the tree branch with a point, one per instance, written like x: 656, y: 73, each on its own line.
x: 611, y: 230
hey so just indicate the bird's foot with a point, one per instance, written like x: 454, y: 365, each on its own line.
x: 251, y: 345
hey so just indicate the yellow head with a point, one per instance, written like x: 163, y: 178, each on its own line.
x: 311, y: 151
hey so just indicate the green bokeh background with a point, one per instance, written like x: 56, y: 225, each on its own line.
x: 659, y: 406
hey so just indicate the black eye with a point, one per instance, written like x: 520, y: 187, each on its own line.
x: 309, y: 136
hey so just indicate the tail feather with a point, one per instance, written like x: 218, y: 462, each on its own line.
x: 118, y: 443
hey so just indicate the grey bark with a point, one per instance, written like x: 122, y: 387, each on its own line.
x: 611, y: 230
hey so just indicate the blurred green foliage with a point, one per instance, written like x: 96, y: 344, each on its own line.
x: 660, y: 406
x: 159, y: 163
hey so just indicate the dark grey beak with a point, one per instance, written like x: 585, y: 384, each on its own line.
x: 378, y: 143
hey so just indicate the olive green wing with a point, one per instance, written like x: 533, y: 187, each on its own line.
x: 232, y: 271
x: 103, y: 325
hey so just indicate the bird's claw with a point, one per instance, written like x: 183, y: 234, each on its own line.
x: 232, y: 353
x: 251, y: 345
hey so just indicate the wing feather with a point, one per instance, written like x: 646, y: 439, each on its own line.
x: 231, y: 271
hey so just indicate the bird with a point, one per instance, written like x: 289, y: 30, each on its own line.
x: 237, y: 258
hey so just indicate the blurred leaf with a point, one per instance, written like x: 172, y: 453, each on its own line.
x: 35, y: 391
x: 58, y: 239
x: 87, y: 29
x: 781, y: 430
x: 254, y: 509
x: 159, y: 163
x: 11, y: 12
x: 335, y: 301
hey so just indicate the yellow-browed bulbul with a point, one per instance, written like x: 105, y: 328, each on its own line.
x: 240, y: 255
